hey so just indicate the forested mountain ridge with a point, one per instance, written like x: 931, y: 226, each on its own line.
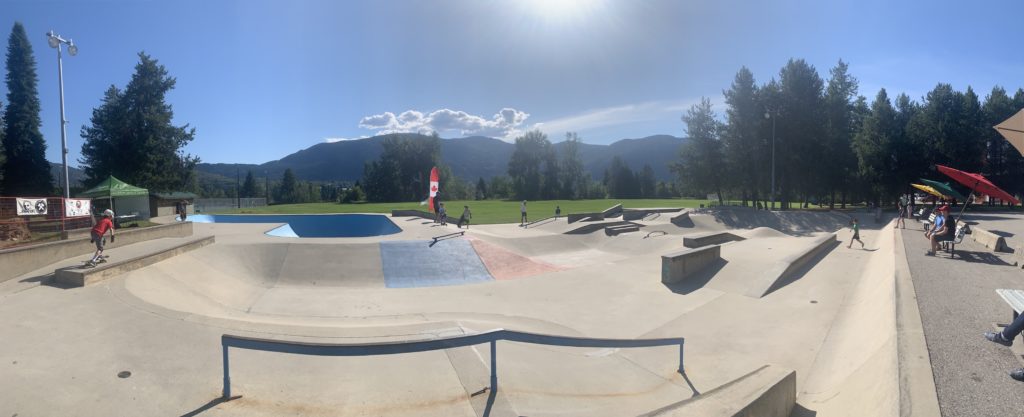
x: 469, y: 158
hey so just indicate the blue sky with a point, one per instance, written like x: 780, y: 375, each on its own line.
x: 261, y: 79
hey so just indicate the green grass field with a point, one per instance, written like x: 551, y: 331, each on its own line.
x: 484, y: 212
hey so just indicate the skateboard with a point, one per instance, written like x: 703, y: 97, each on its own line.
x: 90, y: 264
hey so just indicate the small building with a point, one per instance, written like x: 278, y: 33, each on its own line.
x: 163, y: 204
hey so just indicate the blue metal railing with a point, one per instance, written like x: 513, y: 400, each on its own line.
x: 392, y: 348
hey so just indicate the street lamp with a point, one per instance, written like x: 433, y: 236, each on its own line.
x: 768, y: 115
x: 55, y: 41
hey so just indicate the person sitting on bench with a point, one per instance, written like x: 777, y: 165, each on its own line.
x: 1006, y: 337
x: 939, y: 230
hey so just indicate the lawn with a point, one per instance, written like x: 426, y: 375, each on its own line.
x: 484, y: 212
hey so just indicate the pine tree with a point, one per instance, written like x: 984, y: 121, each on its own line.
x: 131, y: 135
x: 289, y: 191
x: 249, y: 186
x: 28, y: 172
x: 574, y: 177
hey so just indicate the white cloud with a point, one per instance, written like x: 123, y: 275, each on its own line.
x: 625, y: 114
x: 506, y: 124
x: 332, y: 140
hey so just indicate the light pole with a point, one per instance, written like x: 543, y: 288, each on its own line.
x: 55, y: 41
x: 768, y: 115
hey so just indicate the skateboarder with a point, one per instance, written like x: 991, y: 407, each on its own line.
x: 97, y: 233
x: 522, y: 210
x: 856, y: 234
x: 464, y: 218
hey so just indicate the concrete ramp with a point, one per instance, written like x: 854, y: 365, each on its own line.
x: 756, y: 267
x: 769, y: 391
x: 417, y: 264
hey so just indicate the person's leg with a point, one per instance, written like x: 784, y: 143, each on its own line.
x: 1006, y: 336
x: 98, y: 240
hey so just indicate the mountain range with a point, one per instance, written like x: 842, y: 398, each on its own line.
x: 469, y: 158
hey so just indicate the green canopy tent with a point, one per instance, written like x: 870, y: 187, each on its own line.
x: 113, y: 187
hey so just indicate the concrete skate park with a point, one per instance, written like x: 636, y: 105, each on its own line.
x: 779, y: 318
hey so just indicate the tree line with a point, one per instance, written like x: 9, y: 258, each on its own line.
x: 832, y: 147
x: 130, y: 134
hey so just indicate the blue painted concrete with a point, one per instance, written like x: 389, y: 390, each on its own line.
x: 313, y: 225
x: 414, y: 263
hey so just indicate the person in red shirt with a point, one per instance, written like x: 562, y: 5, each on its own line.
x: 97, y: 233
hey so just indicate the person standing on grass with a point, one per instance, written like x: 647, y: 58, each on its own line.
x: 558, y: 211
x: 464, y: 218
x: 97, y: 233
x: 856, y: 234
x: 522, y: 210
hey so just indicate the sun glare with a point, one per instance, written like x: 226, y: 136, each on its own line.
x: 562, y: 10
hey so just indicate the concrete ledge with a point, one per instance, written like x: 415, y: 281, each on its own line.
x: 787, y: 267
x: 575, y: 217
x: 769, y: 391
x: 697, y: 240
x: 619, y: 229
x: 84, y: 276
x: 682, y: 220
x: 591, y: 228
x: 17, y: 261
x: 989, y: 240
x: 678, y: 266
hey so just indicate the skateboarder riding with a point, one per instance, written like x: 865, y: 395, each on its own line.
x: 97, y: 233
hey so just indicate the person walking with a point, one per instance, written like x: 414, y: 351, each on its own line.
x: 522, y: 210
x: 97, y: 235
x: 902, y: 204
x: 558, y: 211
x: 442, y: 215
x: 856, y: 234
x: 464, y: 218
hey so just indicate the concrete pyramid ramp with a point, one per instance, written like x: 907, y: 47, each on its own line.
x: 417, y: 263
x: 755, y: 267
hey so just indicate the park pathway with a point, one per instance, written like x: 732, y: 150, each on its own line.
x: 958, y: 303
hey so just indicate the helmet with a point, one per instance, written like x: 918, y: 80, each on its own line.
x: 108, y: 213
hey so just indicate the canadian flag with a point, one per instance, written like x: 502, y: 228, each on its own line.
x: 434, y: 181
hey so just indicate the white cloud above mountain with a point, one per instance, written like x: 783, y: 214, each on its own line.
x: 506, y: 124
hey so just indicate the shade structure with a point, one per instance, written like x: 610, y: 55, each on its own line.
x: 928, y: 190
x: 1013, y: 130
x: 113, y: 187
x: 944, y: 189
x: 977, y: 183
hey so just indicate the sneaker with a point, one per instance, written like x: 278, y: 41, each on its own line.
x: 929, y: 253
x: 1017, y: 374
x: 997, y: 337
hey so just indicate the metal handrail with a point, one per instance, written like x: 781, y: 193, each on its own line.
x: 651, y: 216
x: 436, y: 238
x: 527, y: 225
x: 663, y: 233
x: 391, y: 348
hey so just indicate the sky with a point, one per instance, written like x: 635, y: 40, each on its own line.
x: 261, y: 79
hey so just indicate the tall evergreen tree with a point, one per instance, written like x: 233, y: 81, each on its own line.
x: 840, y: 98
x: 745, y: 146
x: 249, y: 186
x: 524, y: 167
x: 574, y: 176
x: 289, y: 191
x: 28, y: 172
x: 701, y: 165
x: 131, y: 135
x: 874, y: 145
x: 801, y: 121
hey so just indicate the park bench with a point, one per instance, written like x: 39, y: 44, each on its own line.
x: 928, y: 223
x: 1015, y: 298
x: 920, y: 213
x: 949, y: 241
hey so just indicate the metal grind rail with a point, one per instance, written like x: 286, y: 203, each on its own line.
x: 392, y: 348
x: 538, y: 221
x: 447, y: 236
